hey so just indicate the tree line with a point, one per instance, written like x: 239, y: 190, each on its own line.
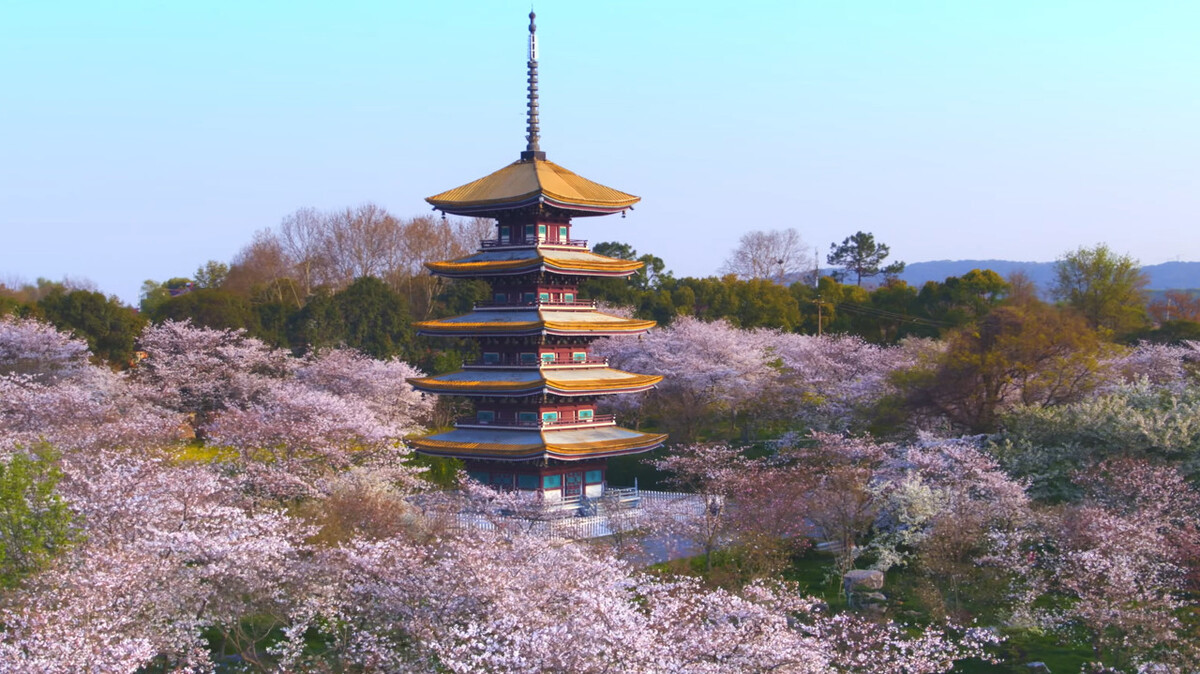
x: 356, y: 277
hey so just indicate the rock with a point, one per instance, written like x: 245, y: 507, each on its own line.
x: 1038, y: 667
x: 862, y: 579
x: 876, y: 597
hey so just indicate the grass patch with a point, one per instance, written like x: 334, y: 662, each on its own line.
x: 201, y: 453
x: 812, y: 572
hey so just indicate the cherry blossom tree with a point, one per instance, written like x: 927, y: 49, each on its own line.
x: 1172, y: 367
x: 1122, y: 582
x: 39, y: 350
x: 713, y: 475
x: 175, y: 557
x: 831, y: 382
x: 949, y: 512
x: 168, y: 555
x: 842, y: 507
x: 379, y: 386
x: 1048, y: 444
x: 501, y: 602
x: 717, y: 370
x: 50, y: 392
x: 201, y: 371
x: 710, y: 369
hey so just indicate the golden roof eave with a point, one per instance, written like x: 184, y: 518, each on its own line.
x: 624, y: 326
x: 634, y: 382
x: 528, y: 182
x: 466, y: 266
x: 545, y: 449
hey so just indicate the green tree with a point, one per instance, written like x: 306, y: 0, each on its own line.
x: 154, y: 294
x: 764, y: 304
x: 109, y: 326
x: 211, y: 308
x: 459, y: 297
x: 962, y: 299
x: 623, y: 291
x: 377, y: 318
x: 272, y: 318
x: 1107, y: 289
x: 35, y: 523
x: 615, y: 249
x: 317, y: 325
x: 12, y: 305
x: 211, y: 274
x: 895, y: 314
x: 1168, y: 332
x: 838, y: 303
x: 367, y: 315
x: 861, y: 255
x: 1032, y: 355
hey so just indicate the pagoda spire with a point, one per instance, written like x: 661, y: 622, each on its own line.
x: 532, y: 135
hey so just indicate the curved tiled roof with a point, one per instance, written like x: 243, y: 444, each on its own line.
x: 529, y: 381
x: 528, y: 182
x: 515, y: 261
x: 524, y: 322
x: 524, y: 445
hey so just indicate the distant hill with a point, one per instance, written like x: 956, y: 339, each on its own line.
x: 1173, y: 275
x: 1165, y: 276
x: 917, y: 273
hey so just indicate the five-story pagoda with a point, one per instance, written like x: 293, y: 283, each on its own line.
x: 535, y: 388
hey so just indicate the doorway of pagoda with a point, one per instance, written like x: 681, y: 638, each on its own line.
x: 573, y: 484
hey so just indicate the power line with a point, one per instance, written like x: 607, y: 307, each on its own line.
x: 876, y: 312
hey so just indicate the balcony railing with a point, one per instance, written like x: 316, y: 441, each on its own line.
x: 499, y: 243
x: 597, y: 420
x: 590, y: 304
x: 517, y: 362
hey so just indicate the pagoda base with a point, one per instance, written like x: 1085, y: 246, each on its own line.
x: 555, y: 481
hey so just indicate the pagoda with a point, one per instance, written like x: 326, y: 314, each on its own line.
x: 535, y: 388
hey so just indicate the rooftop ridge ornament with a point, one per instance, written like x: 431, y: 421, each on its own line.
x: 532, y: 136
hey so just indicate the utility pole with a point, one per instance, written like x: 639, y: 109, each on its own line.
x: 818, y: 302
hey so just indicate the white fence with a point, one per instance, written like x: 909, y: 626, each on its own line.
x: 567, y: 528
x: 558, y: 523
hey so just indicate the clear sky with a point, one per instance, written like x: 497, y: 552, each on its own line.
x: 140, y: 139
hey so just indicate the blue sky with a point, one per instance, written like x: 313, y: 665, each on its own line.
x: 140, y: 139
